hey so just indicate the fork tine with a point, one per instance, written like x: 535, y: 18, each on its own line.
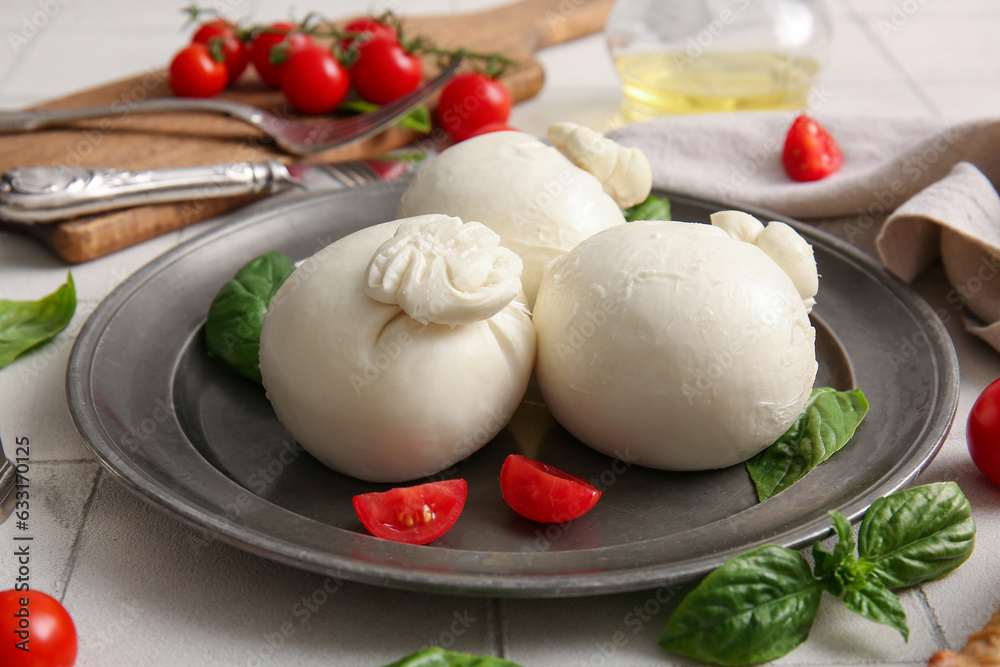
x: 324, y: 136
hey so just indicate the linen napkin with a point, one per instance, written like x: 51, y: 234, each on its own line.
x: 911, y: 191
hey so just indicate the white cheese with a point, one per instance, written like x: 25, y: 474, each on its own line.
x: 673, y: 344
x: 624, y: 173
x: 371, y: 391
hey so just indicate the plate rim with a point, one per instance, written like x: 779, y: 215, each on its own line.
x: 544, y: 584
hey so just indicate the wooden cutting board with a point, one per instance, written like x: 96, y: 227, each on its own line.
x: 131, y: 141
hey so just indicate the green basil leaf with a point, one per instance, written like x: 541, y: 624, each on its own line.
x: 756, y: 607
x: 653, y: 208
x: 418, y: 120
x: 877, y: 603
x: 26, y: 324
x: 232, y: 330
x: 438, y: 657
x: 918, y: 535
x: 826, y: 424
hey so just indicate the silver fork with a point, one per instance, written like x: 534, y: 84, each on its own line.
x: 294, y: 136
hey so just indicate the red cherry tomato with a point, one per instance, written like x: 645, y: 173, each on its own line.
x: 384, y: 71
x: 264, y: 54
x: 313, y: 81
x: 982, y: 432
x: 415, y: 514
x: 371, y: 27
x: 195, y: 73
x: 42, y: 624
x: 222, y: 35
x: 540, y: 492
x: 810, y: 152
x: 471, y: 100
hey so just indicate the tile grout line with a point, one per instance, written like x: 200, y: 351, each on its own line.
x: 890, y: 58
x: 931, y: 616
x: 74, y: 549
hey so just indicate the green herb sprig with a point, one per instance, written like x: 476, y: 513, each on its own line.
x: 761, y: 605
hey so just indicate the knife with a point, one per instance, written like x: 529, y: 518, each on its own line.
x: 33, y: 195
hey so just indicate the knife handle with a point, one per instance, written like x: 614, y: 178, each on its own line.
x: 45, y: 194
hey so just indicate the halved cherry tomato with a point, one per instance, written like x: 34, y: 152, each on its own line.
x: 221, y: 34
x: 810, y: 152
x: 272, y: 47
x: 42, y: 623
x: 195, y: 73
x: 313, y: 81
x: 471, y: 100
x: 384, y: 71
x: 368, y: 26
x: 414, y: 514
x: 541, y: 492
x: 982, y: 432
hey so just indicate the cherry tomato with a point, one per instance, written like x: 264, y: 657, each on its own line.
x: 540, y: 492
x: 222, y: 35
x: 372, y: 27
x: 471, y: 100
x: 810, y: 152
x: 313, y: 81
x: 195, y: 73
x: 263, y: 54
x: 415, y: 514
x: 982, y: 432
x: 42, y: 624
x: 384, y: 71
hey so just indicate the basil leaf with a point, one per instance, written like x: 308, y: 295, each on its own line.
x: 438, y: 657
x: 26, y: 324
x: 756, y: 607
x: 829, y: 567
x: 232, y: 330
x: 877, y: 603
x: 918, y: 535
x: 418, y: 120
x: 653, y: 208
x: 827, y: 423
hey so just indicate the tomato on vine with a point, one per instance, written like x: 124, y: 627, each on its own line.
x: 194, y: 72
x: 272, y: 46
x: 369, y: 26
x: 221, y: 34
x: 470, y: 101
x: 36, y: 630
x: 384, y: 71
x: 313, y: 81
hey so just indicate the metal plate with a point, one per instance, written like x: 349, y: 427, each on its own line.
x: 199, y: 441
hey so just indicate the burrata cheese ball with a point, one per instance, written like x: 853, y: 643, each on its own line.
x: 676, y: 345
x: 542, y: 200
x: 399, y: 349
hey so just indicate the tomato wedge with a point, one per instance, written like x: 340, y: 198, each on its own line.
x: 414, y: 514
x: 541, y: 492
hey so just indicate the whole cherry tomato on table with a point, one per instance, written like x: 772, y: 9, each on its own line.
x: 221, y: 34
x: 415, y: 514
x: 313, y: 81
x: 810, y: 152
x: 982, y: 432
x: 470, y: 101
x: 541, y: 492
x: 278, y: 41
x: 195, y: 73
x: 42, y: 623
x: 384, y: 71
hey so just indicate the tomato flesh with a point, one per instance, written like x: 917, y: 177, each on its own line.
x: 543, y: 493
x: 49, y: 630
x: 414, y: 514
x: 810, y: 152
x: 982, y: 433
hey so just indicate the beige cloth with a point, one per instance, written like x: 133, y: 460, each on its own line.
x: 911, y: 189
